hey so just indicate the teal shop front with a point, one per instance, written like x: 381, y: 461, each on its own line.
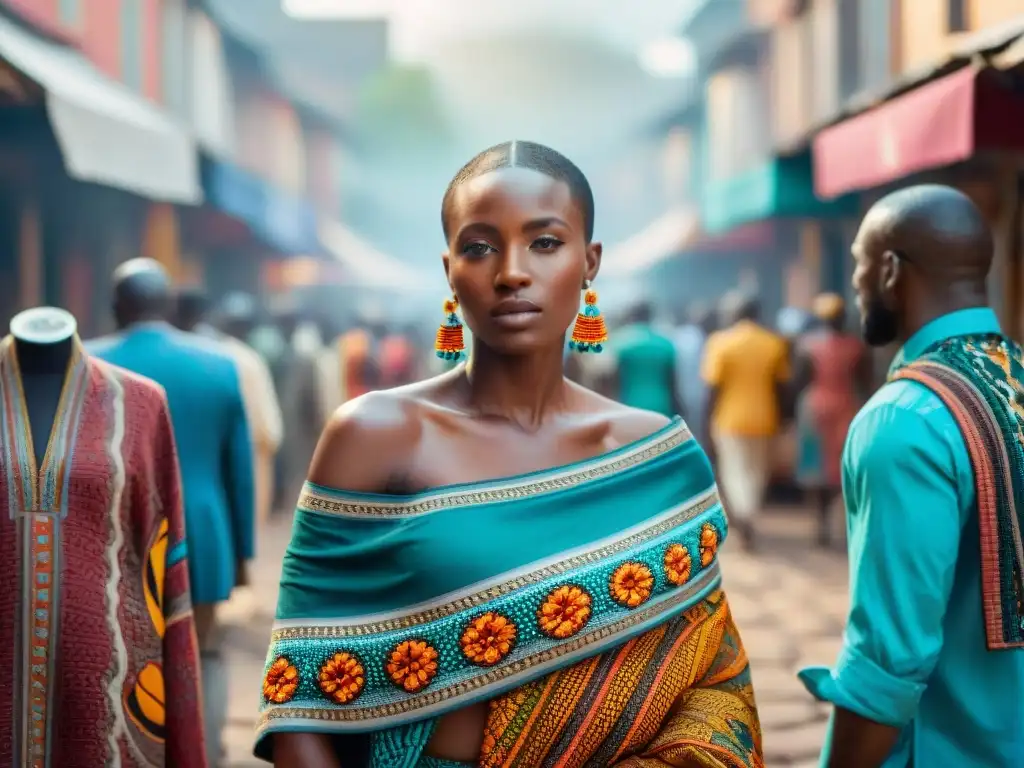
x: 781, y: 187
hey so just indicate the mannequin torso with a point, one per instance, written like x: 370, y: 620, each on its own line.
x: 43, y: 371
x: 43, y: 340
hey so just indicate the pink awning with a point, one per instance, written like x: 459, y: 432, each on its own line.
x: 940, y: 123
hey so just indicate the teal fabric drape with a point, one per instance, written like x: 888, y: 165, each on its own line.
x: 397, y: 609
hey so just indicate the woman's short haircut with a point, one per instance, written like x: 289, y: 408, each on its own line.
x: 535, y: 157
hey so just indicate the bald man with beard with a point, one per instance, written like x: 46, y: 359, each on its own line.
x: 214, y: 449
x: 931, y: 672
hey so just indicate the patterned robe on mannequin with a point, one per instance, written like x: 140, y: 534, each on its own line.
x: 96, y: 622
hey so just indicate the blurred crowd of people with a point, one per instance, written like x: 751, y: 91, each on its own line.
x: 770, y: 403
x: 297, y: 369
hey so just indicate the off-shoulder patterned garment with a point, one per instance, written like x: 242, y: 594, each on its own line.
x: 582, y: 602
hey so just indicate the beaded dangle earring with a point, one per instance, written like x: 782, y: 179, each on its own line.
x: 589, y: 333
x: 449, y: 343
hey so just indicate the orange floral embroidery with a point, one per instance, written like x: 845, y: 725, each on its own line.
x: 678, y: 564
x: 342, y: 678
x: 281, y: 682
x: 564, y: 612
x: 631, y: 584
x: 412, y: 665
x: 488, y: 639
x: 708, y: 544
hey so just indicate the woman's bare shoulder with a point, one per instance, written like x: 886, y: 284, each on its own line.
x: 368, y: 441
x: 625, y: 423
x: 631, y: 424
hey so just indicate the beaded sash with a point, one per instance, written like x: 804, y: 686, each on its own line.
x: 980, y: 379
x: 400, y: 609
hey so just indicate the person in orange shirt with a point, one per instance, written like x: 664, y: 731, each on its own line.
x: 359, y: 369
x: 746, y: 368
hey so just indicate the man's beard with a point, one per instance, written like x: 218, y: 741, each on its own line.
x: 879, y: 325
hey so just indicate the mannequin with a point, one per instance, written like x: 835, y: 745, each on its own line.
x: 43, y: 344
x: 92, y: 531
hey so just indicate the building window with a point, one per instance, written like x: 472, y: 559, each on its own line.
x: 875, y: 36
x: 132, y: 43
x: 173, y: 53
x: 956, y: 15
x: 70, y: 12
x: 675, y: 162
x: 849, y: 49
x: 826, y: 46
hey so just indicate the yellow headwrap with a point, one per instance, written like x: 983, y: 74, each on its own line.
x: 828, y: 306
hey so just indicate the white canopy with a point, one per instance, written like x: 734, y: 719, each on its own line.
x: 665, y: 236
x: 107, y: 134
x: 370, y: 267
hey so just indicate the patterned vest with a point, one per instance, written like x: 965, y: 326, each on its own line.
x: 981, y: 381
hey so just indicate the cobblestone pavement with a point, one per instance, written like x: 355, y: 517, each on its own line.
x: 790, y: 604
x: 789, y: 600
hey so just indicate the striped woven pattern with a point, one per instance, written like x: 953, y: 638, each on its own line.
x: 980, y: 379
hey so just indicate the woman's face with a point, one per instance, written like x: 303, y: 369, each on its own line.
x: 518, y: 258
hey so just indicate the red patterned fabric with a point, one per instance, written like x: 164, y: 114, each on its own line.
x: 831, y: 397
x: 125, y: 664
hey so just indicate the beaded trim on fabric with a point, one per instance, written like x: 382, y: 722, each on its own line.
x: 327, y: 501
x: 503, y: 585
x: 490, y: 683
x: 368, y: 676
x: 37, y: 501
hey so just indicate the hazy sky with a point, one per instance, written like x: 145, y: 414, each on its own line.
x: 420, y: 25
x: 562, y: 72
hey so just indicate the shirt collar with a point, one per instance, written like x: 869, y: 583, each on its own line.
x: 206, y: 329
x: 148, y: 325
x: 742, y: 325
x: 963, y: 322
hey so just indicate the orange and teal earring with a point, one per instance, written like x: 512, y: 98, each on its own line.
x: 589, y: 333
x: 449, y: 343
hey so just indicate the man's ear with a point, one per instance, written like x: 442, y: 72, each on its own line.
x: 889, y: 272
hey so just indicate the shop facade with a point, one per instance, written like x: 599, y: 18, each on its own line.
x: 84, y: 158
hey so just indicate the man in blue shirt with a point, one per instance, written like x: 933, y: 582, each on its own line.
x: 916, y: 683
x: 211, y: 432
